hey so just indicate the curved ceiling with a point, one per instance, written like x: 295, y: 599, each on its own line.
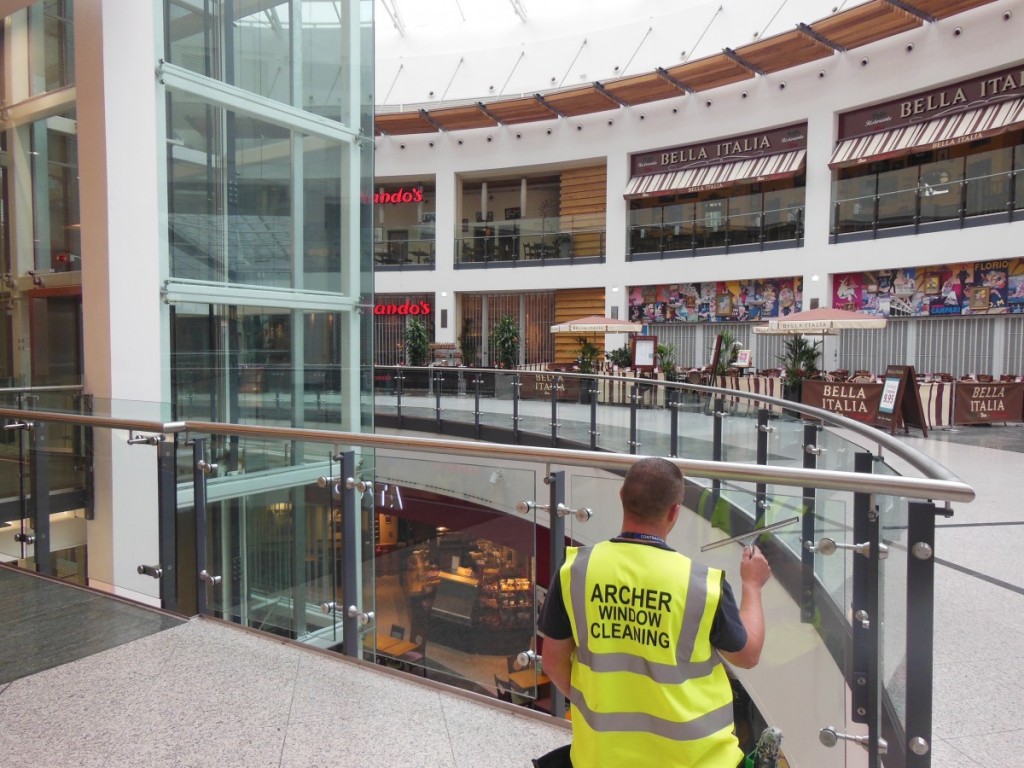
x: 636, y: 60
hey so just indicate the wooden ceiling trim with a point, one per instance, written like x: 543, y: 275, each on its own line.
x: 865, y: 24
x: 515, y: 111
x: 710, y: 72
x: 580, y: 101
x: 640, y: 89
x: 401, y: 123
x: 943, y: 9
x: 462, y: 118
x: 780, y: 52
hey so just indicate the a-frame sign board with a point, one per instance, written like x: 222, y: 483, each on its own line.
x: 901, y: 402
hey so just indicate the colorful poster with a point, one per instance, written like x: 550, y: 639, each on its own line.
x: 718, y: 302
x: 969, y: 288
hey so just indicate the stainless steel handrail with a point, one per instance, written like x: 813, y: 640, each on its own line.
x: 943, y: 488
x: 924, y: 464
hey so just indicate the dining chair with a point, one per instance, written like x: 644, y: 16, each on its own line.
x: 416, y: 657
x: 398, y: 632
x: 503, y: 689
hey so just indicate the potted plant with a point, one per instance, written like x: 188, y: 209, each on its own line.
x: 727, y: 352
x: 504, y: 353
x: 622, y: 357
x: 666, y: 361
x: 587, y: 357
x: 505, y: 343
x: 799, y: 361
x: 468, y: 343
x: 417, y: 342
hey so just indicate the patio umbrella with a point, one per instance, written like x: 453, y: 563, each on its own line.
x: 597, y: 324
x: 823, y: 321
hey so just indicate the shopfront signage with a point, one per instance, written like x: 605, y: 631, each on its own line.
x: 856, y: 401
x: 978, y: 403
x: 723, y: 150
x: 939, y: 102
x: 398, y: 196
x: 407, y: 308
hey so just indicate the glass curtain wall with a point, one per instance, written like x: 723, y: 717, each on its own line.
x: 269, y: 210
x: 269, y: 168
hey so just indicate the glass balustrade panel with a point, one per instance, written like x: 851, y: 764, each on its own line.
x: 854, y: 203
x: 455, y: 568
x: 274, y: 537
x: 897, y: 198
x: 988, y: 179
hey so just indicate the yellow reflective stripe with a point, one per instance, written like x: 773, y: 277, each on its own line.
x: 694, y: 616
x: 700, y: 727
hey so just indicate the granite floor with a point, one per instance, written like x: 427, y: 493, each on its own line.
x: 206, y: 694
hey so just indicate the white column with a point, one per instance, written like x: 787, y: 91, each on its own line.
x: 120, y: 148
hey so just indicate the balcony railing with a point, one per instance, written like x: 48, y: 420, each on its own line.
x: 730, y: 224
x: 285, y: 529
x: 554, y: 239
x: 946, y: 194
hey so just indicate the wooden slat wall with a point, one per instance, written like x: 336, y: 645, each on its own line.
x: 572, y: 305
x: 584, y: 202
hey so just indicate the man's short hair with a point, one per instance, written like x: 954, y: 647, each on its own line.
x: 651, y: 487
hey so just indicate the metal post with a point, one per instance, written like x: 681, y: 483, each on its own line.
x: 554, y: 416
x: 556, y: 543
x: 351, y: 536
x: 634, y: 398
x: 716, y: 445
x: 516, y: 418
x: 592, y: 386
x: 399, y: 378
x: 39, y: 468
x: 199, y: 503
x: 866, y: 685
x: 808, y: 522
x: 920, y: 623
x: 763, y: 430
x: 674, y: 396
x: 438, y: 378
x: 167, y: 511
x: 476, y: 407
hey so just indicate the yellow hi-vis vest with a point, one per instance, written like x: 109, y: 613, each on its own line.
x: 647, y: 687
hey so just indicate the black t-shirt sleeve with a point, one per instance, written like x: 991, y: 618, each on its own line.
x: 727, y: 631
x: 554, y: 619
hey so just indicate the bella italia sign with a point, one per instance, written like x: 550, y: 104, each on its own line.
x: 724, y: 150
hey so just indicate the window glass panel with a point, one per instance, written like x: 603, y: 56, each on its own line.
x: 323, y: 213
x: 855, y: 203
x: 51, y: 46
x: 54, y: 147
x: 230, y: 196
x: 897, y: 193
x: 326, y: 65
x: 940, y: 189
x: 988, y: 175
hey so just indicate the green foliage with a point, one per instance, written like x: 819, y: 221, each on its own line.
x: 505, y: 343
x: 587, y: 355
x: 417, y: 341
x: 727, y: 352
x: 468, y: 343
x: 622, y: 357
x: 799, y: 360
x: 666, y: 360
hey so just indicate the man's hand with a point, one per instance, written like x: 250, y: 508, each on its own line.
x: 754, y: 568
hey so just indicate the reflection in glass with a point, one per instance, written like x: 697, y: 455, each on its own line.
x: 54, y: 148
x: 51, y: 60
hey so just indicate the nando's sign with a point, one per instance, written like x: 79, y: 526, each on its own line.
x: 406, y: 308
x: 724, y: 150
x: 398, y: 196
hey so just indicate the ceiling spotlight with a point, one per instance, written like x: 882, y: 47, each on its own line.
x: 910, y: 47
x: 864, y: 61
x: 488, y: 138
x: 707, y: 103
x: 675, y: 110
x: 957, y: 31
x: 490, y: 88
x: 1007, y: 15
x: 460, y: 142
x: 643, y: 116
x: 579, y: 127
x: 401, y: 146
x: 611, y: 122
x: 782, y: 85
x: 615, y: 68
x: 430, y: 143
x: 519, y: 135
x: 821, y: 73
x: 549, y: 131
x: 554, y: 79
x: 743, y: 95
x: 431, y: 94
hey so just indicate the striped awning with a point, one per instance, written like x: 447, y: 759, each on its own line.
x: 717, y: 176
x: 969, y: 125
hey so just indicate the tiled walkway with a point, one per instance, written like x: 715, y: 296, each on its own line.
x: 210, y: 695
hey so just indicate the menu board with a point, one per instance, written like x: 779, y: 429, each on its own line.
x: 900, y: 403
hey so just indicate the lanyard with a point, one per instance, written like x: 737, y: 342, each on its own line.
x: 642, y: 537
